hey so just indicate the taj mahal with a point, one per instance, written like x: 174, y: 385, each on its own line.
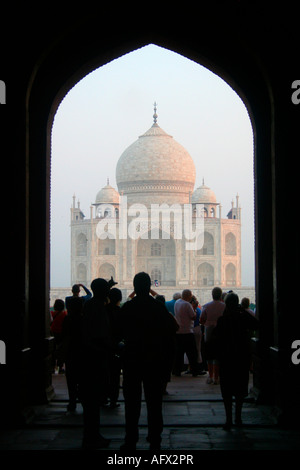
x: 158, y: 171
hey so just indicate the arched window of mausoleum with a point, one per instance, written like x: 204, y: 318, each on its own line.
x: 205, y: 274
x: 155, y: 249
x: 107, y: 270
x: 81, y: 245
x: 208, y: 245
x: 156, y: 275
x: 107, y: 246
x: 230, y: 274
x: 230, y: 244
x: 81, y: 273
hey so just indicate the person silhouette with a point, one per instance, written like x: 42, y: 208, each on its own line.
x: 148, y: 333
x: 211, y: 311
x: 185, y: 339
x: 57, y: 316
x: 234, y: 355
x: 94, y: 376
x: 114, y: 311
x: 76, y: 292
x: 71, y: 337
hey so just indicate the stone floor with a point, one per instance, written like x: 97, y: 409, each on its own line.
x: 193, y: 419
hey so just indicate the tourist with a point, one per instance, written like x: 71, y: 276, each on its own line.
x: 234, y: 356
x: 224, y: 295
x: 148, y: 332
x: 185, y: 340
x: 72, y: 339
x: 198, y: 334
x: 57, y: 316
x: 171, y: 303
x: 161, y: 298
x: 94, y: 376
x: 76, y: 292
x: 151, y: 292
x: 209, y: 317
x: 245, y: 304
x: 114, y: 310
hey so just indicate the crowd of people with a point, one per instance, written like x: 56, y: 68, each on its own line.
x: 148, y: 339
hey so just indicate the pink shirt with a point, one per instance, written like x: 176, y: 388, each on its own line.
x: 185, y: 315
x: 210, y: 314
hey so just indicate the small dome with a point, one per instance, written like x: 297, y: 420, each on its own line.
x: 107, y: 195
x: 204, y: 194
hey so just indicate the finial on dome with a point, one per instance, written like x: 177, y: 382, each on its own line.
x: 107, y: 181
x: 202, y: 181
x: 155, y: 115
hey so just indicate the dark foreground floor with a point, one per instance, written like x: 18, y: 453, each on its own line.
x: 193, y: 419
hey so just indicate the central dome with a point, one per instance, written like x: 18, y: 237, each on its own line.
x: 156, y: 169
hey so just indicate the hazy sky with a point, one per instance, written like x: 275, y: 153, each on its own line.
x: 111, y: 107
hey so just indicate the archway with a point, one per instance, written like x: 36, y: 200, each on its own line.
x: 158, y: 258
x: 230, y: 274
x: 81, y: 245
x: 107, y: 246
x: 230, y: 244
x: 64, y: 48
x: 41, y: 109
x: 81, y: 274
x: 106, y: 270
x: 205, y: 275
x: 155, y: 265
x: 98, y: 155
x: 208, y: 245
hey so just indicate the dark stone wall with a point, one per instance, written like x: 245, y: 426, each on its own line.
x: 254, y: 48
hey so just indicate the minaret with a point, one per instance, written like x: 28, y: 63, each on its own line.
x: 73, y: 207
x: 235, y: 212
x: 238, y: 210
x: 76, y: 213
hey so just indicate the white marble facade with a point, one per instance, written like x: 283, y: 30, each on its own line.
x: 155, y: 169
